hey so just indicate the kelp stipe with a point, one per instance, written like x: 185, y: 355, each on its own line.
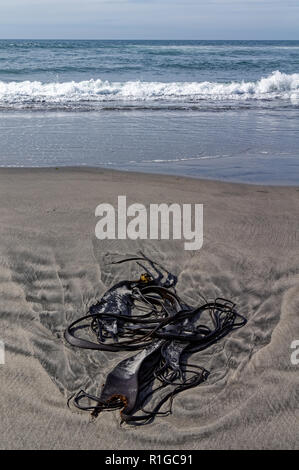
x: 148, y: 316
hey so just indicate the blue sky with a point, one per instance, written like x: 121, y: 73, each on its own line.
x: 150, y: 19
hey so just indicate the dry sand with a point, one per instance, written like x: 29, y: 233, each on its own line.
x: 52, y: 268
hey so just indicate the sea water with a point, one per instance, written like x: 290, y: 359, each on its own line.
x: 214, y: 109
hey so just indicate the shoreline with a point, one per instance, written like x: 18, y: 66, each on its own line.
x: 99, y: 170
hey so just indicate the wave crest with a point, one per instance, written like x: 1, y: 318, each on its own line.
x: 276, y: 86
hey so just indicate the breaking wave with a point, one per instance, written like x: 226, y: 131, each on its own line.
x: 277, y: 86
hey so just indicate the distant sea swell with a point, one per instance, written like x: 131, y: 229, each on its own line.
x: 27, y: 94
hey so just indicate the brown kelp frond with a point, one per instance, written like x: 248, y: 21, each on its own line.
x: 148, y: 317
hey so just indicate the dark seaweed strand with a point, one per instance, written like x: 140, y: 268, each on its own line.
x: 210, y: 338
x: 196, y: 379
x: 166, y: 324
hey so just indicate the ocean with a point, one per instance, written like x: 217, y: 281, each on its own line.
x: 225, y: 110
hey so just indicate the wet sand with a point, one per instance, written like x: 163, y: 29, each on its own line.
x: 52, y: 269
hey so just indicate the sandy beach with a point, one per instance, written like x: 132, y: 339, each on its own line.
x: 53, y: 268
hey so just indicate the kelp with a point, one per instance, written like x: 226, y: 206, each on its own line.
x: 148, y: 316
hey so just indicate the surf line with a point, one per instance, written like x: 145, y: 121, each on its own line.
x: 153, y: 222
x: 116, y: 460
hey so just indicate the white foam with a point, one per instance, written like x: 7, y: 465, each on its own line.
x: 276, y: 86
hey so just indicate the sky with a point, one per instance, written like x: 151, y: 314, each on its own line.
x: 149, y: 19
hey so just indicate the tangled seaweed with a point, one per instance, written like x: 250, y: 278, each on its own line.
x: 148, y: 316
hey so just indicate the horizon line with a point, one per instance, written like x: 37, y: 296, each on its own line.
x: 134, y: 39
